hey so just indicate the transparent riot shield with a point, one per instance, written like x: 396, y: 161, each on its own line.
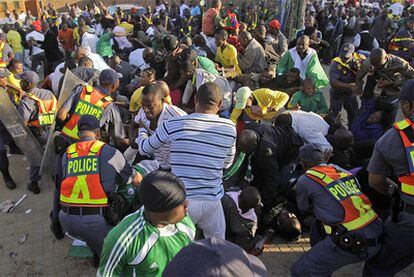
x: 70, y: 81
x: 21, y: 134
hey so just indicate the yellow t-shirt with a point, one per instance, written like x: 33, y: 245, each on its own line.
x: 129, y: 28
x: 136, y: 100
x: 16, y: 82
x: 228, y: 59
x: 15, y: 41
x: 270, y: 102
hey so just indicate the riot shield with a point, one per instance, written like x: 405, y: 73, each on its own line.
x: 21, y: 134
x: 70, y: 81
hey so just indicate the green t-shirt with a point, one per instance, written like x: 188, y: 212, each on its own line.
x: 136, y: 248
x: 207, y: 64
x: 104, y: 46
x: 315, y: 103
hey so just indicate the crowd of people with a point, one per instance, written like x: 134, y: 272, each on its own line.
x: 201, y: 131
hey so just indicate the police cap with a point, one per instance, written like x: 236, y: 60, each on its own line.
x: 30, y: 76
x: 108, y: 77
x: 407, y: 91
x: 88, y: 123
x: 311, y: 152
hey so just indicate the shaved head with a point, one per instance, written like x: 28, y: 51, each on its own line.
x: 302, y: 44
x: 248, y: 141
x: 378, y: 58
x: 245, y: 37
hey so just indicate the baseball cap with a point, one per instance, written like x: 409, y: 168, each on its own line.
x: 311, y: 152
x: 88, y: 123
x: 161, y: 191
x: 30, y: 76
x: 4, y: 73
x: 170, y: 42
x: 275, y: 24
x: 214, y: 257
x: 241, y: 97
x: 347, y: 50
x: 91, y: 30
x: 407, y: 91
x: 108, y: 77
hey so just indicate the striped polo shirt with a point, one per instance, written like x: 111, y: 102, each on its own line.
x: 162, y: 154
x: 202, y: 145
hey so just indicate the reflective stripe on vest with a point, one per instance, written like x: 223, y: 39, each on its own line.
x: 82, y: 185
x: 3, y: 64
x: 402, y: 39
x: 46, y: 111
x: 343, y: 187
x: 91, y: 102
x: 406, y: 180
x: 357, y: 57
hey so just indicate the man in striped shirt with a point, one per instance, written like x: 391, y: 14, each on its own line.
x: 202, y: 145
x: 154, y: 113
x: 147, y: 240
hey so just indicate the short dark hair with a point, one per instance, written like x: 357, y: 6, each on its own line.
x: 153, y: 88
x: 209, y: 94
x: 222, y: 34
x: 84, y: 61
x: 284, y: 119
x: 215, y: 3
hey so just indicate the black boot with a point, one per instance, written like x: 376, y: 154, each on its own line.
x: 9, y: 181
x: 33, y: 187
x: 56, y: 229
x: 14, y: 149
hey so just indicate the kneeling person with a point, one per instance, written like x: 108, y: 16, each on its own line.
x: 147, y: 240
x: 91, y: 170
x: 38, y: 108
x: 351, y: 229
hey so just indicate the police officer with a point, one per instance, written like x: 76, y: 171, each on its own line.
x: 401, y: 43
x: 88, y: 179
x: 393, y: 156
x: 347, y: 229
x: 4, y: 139
x: 37, y: 108
x: 85, y: 100
x: 342, y: 73
x: 389, y: 74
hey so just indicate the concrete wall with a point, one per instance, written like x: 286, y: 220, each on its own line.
x: 10, y: 5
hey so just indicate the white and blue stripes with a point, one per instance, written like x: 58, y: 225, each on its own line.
x: 202, y: 145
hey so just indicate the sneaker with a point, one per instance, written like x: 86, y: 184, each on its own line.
x: 9, y: 182
x: 57, y: 230
x: 33, y: 187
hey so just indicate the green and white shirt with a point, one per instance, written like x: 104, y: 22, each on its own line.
x: 136, y: 248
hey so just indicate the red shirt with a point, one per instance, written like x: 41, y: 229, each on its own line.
x: 66, y: 38
x: 233, y: 40
x: 208, y: 22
